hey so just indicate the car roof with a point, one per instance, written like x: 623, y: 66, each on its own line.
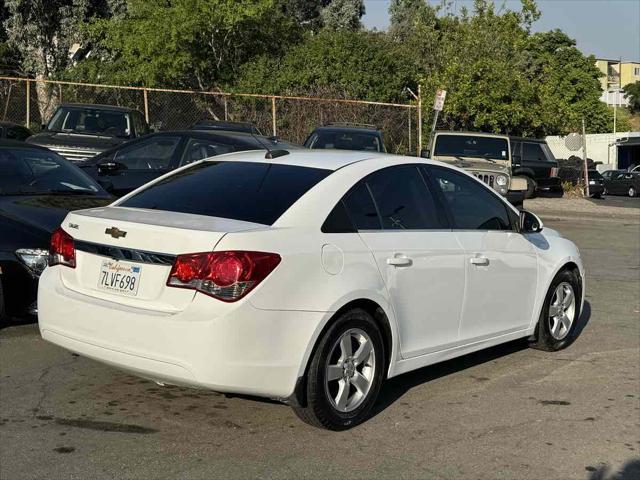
x: 348, y: 128
x: 530, y: 140
x: 98, y: 106
x: 475, y: 134
x: 10, y: 124
x: 323, y: 159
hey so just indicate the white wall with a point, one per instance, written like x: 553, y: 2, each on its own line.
x: 599, y: 148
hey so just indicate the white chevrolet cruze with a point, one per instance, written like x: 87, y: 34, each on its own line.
x: 307, y: 277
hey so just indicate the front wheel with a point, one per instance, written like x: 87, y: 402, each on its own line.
x: 632, y: 192
x: 558, y: 323
x: 345, y: 373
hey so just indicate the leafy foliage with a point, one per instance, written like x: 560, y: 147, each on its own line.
x: 342, y: 15
x: 327, y: 60
x: 632, y: 92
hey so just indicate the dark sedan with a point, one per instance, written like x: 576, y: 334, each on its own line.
x: 621, y: 182
x: 37, y: 190
x: 131, y: 165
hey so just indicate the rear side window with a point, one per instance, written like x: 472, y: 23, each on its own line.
x: 248, y: 191
x: 533, y: 152
x: 361, y: 208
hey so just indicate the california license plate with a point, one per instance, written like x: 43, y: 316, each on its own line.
x: 118, y: 277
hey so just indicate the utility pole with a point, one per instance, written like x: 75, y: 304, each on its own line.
x: 584, y: 158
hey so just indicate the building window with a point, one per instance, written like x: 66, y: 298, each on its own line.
x: 636, y: 72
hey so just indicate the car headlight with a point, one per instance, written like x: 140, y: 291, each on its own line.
x: 502, y: 180
x: 34, y: 258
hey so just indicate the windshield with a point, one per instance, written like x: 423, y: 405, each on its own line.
x: 91, y: 121
x: 344, y: 141
x: 253, y: 192
x: 472, y: 146
x: 31, y: 171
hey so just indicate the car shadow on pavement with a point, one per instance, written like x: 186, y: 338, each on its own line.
x: 630, y: 471
x: 394, y: 388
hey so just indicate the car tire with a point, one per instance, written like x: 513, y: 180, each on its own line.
x: 346, y: 400
x: 558, y: 323
x: 596, y: 195
x: 532, y: 187
x: 632, y: 192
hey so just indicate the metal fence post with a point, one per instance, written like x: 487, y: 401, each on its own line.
x: 419, y: 121
x: 146, y: 105
x: 226, y: 109
x: 273, y: 115
x: 409, y: 112
x: 26, y: 123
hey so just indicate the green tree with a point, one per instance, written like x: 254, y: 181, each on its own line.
x: 356, y: 64
x: 632, y: 92
x: 343, y: 15
x: 184, y: 43
x: 43, y: 31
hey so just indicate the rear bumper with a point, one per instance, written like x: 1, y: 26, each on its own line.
x: 552, y: 182
x: 244, y: 350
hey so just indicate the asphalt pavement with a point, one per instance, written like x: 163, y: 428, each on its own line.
x: 506, y: 413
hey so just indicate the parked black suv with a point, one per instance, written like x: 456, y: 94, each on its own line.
x: 534, y: 160
x: 13, y: 131
x: 81, y: 131
x: 346, y: 136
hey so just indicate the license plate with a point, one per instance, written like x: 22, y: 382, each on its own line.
x: 118, y: 277
x: 592, y: 182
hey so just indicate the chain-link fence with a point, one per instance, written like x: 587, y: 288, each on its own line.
x: 32, y: 102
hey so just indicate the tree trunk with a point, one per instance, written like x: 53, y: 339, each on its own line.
x: 47, y: 98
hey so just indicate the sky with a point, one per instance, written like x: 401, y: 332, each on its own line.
x: 605, y: 28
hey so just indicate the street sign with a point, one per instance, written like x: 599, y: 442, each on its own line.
x: 439, y: 101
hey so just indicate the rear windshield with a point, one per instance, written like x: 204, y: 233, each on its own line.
x: 344, y: 141
x: 248, y: 191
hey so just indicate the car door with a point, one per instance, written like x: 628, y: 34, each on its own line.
x: 418, y: 256
x: 139, y: 163
x: 501, y: 264
x: 616, y: 185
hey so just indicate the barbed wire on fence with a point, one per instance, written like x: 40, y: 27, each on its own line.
x: 31, y: 102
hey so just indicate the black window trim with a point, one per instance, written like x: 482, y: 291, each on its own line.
x: 508, y: 209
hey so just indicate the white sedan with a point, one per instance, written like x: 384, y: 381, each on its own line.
x: 308, y: 277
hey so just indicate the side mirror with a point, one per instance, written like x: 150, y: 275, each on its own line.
x: 108, y: 167
x: 43, y: 126
x: 425, y: 153
x: 530, y: 222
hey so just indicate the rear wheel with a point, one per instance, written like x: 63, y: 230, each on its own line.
x: 345, y: 373
x: 632, y: 192
x: 531, y: 188
x: 558, y: 322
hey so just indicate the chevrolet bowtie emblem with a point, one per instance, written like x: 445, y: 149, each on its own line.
x: 115, y: 232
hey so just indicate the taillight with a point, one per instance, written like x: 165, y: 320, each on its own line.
x: 554, y: 172
x: 62, y: 251
x: 227, y: 276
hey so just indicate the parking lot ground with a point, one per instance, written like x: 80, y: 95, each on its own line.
x: 506, y: 413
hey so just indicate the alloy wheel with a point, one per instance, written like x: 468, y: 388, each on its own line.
x: 632, y: 192
x: 562, y: 311
x: 350, y: 370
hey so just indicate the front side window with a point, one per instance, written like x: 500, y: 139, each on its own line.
x: 248, y: 191
x: 472, y: 205
x: 151, y: 154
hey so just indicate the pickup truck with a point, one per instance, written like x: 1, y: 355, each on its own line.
x: 533, y: 160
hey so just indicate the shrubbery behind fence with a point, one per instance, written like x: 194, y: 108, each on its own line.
x: 27, y: 101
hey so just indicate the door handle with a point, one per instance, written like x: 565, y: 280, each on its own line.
x: 399, y: 261
x: 479, y: 261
